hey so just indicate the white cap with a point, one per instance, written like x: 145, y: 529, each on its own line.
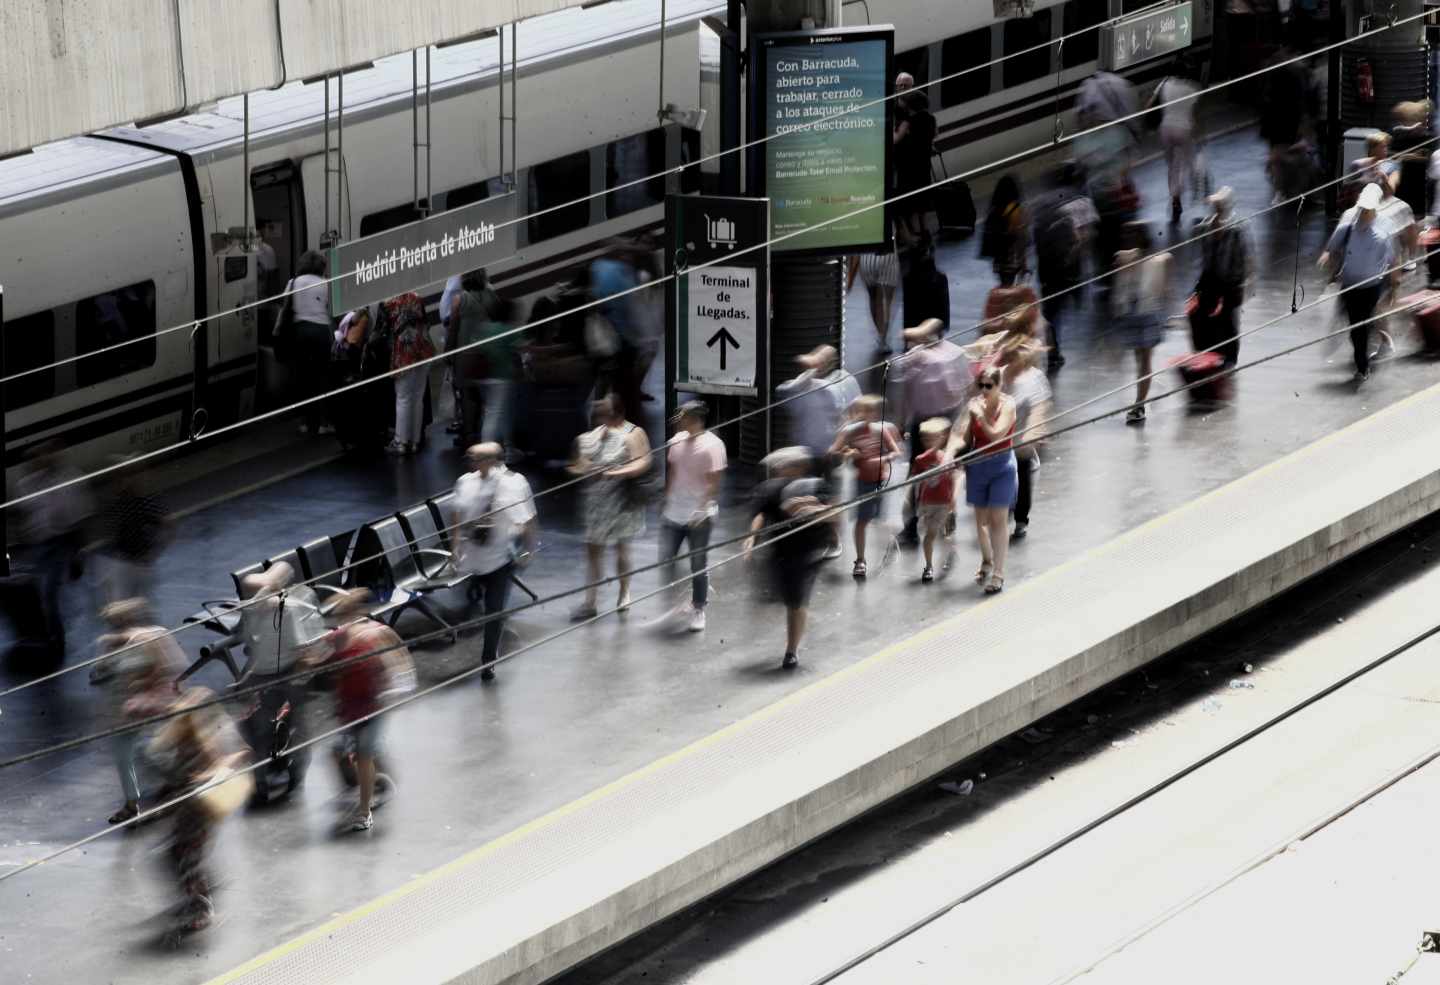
x: 1369, y: 197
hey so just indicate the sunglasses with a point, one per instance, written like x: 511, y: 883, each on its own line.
x: 987, y: 386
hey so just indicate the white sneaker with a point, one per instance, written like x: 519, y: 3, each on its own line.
x: 697, y: 621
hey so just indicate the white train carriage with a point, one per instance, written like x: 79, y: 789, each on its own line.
x: 116, y: 235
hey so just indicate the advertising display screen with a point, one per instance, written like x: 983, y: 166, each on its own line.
x: 827, y: 157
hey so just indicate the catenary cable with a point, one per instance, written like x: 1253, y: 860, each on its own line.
x: 321, y: 578
x: 825, y: 517
x: 835, y: 510
x: 744, y: 146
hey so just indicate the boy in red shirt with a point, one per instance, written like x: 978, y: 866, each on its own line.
x: 936, y: 499
x: 870, y: 444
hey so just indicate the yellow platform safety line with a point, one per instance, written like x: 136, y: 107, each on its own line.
x: 888, y: 652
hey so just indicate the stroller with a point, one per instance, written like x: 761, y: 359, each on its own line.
x: 274, y: 631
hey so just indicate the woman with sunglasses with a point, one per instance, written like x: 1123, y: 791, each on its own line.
x: 991, y: 478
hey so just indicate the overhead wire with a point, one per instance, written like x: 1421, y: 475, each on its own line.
x: 886, y: 363
x: 970, y: 455
x: 794, y: 528
x: 675, y: 170
x: 765, y: 244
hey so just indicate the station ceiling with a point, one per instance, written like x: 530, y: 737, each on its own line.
x: 74, y: 66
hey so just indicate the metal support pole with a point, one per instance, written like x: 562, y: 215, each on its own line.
x: 660, y: 105
x: 326, y: 231
x: 415, y: 127
x: 245, y: 154
x: 340, y: 157
x: 500, y: 97
x: 1333, y: 135
x: 429, y: 171
x: 514, y: 113
x: 730, y: 54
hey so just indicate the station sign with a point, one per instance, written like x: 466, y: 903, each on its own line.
x: 419, y: 254
x: 1131, y: 40
x: 819, y: 98
x: 718, y: 316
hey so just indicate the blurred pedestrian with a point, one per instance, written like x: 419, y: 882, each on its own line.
x: 1106, y: 155
x: 1059, y: 251
x: 129, y: 532
x: 869, y: 443
x: 49, y: 549
x: 365, y: 662
x: 404, y: 322
x: 493, y: 517
x: 1283, y: 102
x: 935, y: 494
x: 695, y: 467
x: 1410, y: 144
x: 880, y: 272
x: 984, y: 432
x: 818, y: 398
x: 1361, y: 253
x: 1005, y: 240
x: 913, y: 148
x: 358, y: 423
x: 198, y: 752
x: 1176, y: 94
x: 1030, y: 389
x: 616, y: 457
x: 790, y: 510
x: 486, y: 365
x: 140, y: 661
x: 1225, y: 269
x: 310, y: 337
x: 613, y: 279
x: 1141, y: 305
x: 933, y: 380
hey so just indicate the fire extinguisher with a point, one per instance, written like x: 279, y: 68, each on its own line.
x: 1364, y: 81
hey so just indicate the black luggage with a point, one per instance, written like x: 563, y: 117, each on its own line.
x: 953, y: 205
x: 21, y: 602
x: 926, y: 293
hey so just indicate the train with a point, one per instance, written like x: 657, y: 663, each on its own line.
x: 177, y: 227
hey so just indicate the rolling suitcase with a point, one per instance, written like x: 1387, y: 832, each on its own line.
x: 954, y: 206
x: 1426, y: 312
x: 1204, y: 373
x: 926, y: 294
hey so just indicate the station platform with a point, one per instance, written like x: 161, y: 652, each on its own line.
x: 611, y: 778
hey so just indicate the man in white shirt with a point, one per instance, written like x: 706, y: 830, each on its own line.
x: 695, y: 467
x: 493, y: 519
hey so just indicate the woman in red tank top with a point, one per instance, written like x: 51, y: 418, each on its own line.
x: 991, y: 478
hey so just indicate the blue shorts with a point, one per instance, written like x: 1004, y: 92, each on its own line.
x: 992, y: 481
x: 870, y: 509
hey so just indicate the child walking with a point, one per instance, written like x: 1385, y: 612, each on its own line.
x: 871, y: 445
x: 936, y: 495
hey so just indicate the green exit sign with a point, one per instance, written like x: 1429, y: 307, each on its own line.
x: 1131, y: 40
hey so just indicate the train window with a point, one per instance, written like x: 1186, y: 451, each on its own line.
x: 916, y: 61
x: 1078, y: 15
x: 958, y: 53
x: 629, y: 160
x: 1022, y: 34
x: 379, y: 222
x: 110, y: 319
x: 29, y: 343
x: 477, y: 192
x: 555, y: 183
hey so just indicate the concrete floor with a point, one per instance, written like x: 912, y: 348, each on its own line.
x: 810, y: 914
x: 476, y: 762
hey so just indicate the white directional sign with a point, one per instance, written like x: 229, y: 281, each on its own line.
x: 723, y: 309
x: 1131, y: 40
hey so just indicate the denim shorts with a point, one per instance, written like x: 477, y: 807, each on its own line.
x: 992, y: 481
x: 870, y: 509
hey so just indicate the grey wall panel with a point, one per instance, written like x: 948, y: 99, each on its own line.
x: 74, y: 66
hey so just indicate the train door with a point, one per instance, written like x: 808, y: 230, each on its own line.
x: 278, y: 194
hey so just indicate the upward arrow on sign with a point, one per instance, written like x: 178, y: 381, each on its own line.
x: 724, y: 338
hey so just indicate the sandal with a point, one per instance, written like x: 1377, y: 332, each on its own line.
x: 125, y: 813
x: 859, y: 570
x: 995, y: 585
x: 582, y: 612
x: 985, y: 568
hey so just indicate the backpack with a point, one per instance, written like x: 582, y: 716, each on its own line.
x: 1057, y: 246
